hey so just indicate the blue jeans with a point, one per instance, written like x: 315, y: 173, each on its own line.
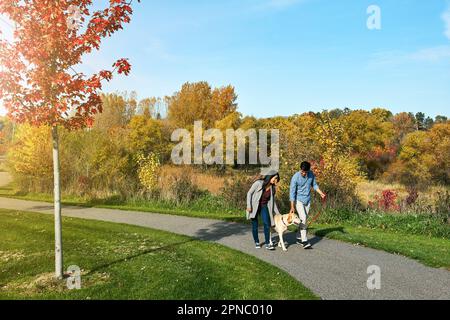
x: 264, y: 211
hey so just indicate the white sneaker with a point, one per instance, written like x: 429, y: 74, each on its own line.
x: 306, y: 245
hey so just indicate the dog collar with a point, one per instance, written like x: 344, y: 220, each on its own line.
x: 282, y: 220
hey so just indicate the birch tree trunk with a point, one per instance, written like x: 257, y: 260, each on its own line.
x: 57, y: 199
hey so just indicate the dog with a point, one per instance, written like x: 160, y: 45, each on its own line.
x: 282, y: 222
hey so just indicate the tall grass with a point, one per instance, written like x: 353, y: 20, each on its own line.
x: 433, y: 225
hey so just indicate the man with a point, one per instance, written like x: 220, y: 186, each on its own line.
x: 300, y: 196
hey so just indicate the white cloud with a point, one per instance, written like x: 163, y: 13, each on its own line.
x: 430, y: 55
x: 396, y: 57
x: 386, y: 58
x: 446, y: 17
x: 433, y: 54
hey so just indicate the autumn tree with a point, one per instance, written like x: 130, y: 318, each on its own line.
x: 369, y: 135
x: 147, y: 135
x: 413, y: 163
x: 440, y: 119
x: 298, y: 141
x: 231, y: 121
x: 423, y: 159
x: 29, y: 159
x: 147, y: 107
x: 364, y: 131
x: 382, y: 114
x: 7, y: 128
x: 403, y: 123
x: 197, y: 101
x: 420, y: 121
x: 118, y: 110
x: 337, y: 170
x: 39, y: 83
x: 440, y: 135
x: 297, y: 144
x: 224, y: 102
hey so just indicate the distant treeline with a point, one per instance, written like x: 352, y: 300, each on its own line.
x: 344, y: 145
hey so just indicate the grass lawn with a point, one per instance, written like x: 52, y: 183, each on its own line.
x: 431, y: 251
x: 128, y: 262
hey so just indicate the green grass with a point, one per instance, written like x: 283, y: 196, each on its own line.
x: 128, y: 262
x: 426, y: 224
x: 419, y: 237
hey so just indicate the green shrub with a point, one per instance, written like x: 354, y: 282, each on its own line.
x: 420, y: 224
x: 442, y: 207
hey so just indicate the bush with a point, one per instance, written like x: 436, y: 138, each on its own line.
x: 113, y: 169
x: 420, y: 224
x: 30, y: 159
x: 178, y: 186
x: 442, y: 206
x: 411, y: 215
x: 387, y: 201
x: 235, y: 190
x: 412, y: 197
x: 148, y: 171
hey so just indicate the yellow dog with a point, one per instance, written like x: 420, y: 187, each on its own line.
x: 282, y: 222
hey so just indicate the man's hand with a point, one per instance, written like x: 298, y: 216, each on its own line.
x: 292, y: 208
x: 322, y: 195
x: 249, y: 210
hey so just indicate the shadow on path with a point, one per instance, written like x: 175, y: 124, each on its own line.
x: 290, y: 238
x: 325, y: 232
x: 51, y: 207
x: 220, y: 230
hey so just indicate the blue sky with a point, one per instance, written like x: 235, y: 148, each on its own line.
x: 289, y: 56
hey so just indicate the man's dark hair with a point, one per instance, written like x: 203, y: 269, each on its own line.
x: 305, y: 166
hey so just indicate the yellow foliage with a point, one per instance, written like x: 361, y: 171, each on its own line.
x: 364, y: 131
x: 338, y: 172
x: 148, y: 171
x: 424, y: 157
x: 31, y: 154
x: 197, y: 101
x: 231, y: 121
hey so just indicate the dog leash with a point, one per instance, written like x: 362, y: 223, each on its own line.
x: 324, y: 201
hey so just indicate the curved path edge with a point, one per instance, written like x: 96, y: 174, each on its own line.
x: 333, y: 270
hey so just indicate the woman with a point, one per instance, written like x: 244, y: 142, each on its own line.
x: 261, y: 201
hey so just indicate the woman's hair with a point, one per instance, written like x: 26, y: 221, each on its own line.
x: 267, y: 179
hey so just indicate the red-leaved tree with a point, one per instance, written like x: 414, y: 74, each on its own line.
x: 39, y: 84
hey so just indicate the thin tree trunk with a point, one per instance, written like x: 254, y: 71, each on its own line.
x: 57, y: 199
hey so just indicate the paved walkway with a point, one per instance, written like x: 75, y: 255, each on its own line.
x: 333, y: 270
